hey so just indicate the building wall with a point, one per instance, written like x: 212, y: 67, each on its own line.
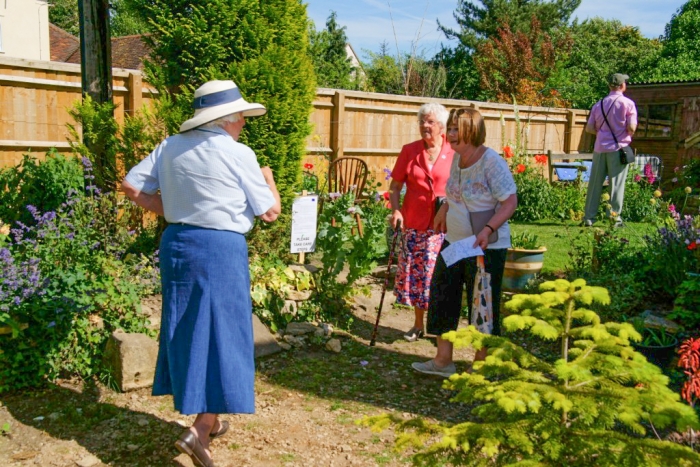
x: 24, y: 29
x: 668, y: 135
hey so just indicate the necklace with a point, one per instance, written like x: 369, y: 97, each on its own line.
x: 436, y: 150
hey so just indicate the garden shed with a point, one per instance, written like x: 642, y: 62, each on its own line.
x: 669, y: 121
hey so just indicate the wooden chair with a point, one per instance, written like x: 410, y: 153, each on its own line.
x: 346, y: 175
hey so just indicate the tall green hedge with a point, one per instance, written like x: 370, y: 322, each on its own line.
x: 262, y: 46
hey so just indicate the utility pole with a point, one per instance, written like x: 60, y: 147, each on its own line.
x: 95, y: 50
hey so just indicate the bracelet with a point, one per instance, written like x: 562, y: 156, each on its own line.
x: 492, y: 229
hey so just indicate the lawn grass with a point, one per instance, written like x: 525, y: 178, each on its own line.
x: 559, y: 236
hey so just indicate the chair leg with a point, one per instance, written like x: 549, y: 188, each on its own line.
x: 358, y: 219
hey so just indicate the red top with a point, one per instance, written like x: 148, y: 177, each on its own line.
x: 422, y: 185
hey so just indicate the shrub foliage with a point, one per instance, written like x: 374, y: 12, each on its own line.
x: 598, y: 403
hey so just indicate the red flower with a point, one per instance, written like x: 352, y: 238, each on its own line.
x: 508, y: 152
x: 386, y: 195
x: 541, y: 159
x: 520, y: 168
x: 692, y: 246
x: 308, y: 166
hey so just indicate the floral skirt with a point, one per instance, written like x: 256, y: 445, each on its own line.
x: 419, y: 252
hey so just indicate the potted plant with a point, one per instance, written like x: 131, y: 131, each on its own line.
x: 524, y: 261
x: 658, y: 345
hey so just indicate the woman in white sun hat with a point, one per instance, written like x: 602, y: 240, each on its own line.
x: 209, y: 187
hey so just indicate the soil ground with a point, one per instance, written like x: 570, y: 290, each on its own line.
x: 307, y: 403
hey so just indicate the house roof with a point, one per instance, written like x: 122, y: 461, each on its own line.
x: 63, y: 44
x: 663, y: 83
x: 127, y: 51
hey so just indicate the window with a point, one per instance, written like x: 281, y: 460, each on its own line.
x: 655, y: 120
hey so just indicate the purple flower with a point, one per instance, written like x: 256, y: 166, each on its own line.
x: 387, y: 173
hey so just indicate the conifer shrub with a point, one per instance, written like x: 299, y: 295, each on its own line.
x: 599, y: 403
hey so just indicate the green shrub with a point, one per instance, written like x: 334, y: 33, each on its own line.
x: 66, y: 283
x: 536, y: 197
x: 42, y: 184
x: 598, y: 402
x: 686, y: 306
x: 638, y: 194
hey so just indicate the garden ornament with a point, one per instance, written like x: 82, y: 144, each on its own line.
x: 216, y: 99
x: 482, y: 308
x: 397, y: 233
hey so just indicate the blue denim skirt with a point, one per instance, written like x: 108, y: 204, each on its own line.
x: 205, y: 358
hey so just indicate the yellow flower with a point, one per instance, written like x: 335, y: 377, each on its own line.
x: 613, y: 214
x: 605, y: 197
x: 688, y: 190
x: 4, y: 229
x: 608, y: 206
x: 657, y: 193
x: 653, y: 202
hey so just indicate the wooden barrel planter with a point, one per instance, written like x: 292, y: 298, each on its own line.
x: 522, y: 265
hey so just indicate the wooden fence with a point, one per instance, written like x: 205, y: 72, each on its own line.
x: 35, y: 98
x: 375, y: 126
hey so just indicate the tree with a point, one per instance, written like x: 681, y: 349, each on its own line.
x: 517, y: 65
x: 261, y: 46
x: 383, y: 72
x: 332, y: 65
x: 478, y: 23
x: 124, y: 19
x: 411, y: 76
x: 679, y: 58
x: 64, y: 14
x: 601, y: 47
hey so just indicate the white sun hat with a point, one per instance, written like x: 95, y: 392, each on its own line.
x: 216, y: 99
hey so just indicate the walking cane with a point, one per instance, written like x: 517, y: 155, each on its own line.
x: 397, y: 232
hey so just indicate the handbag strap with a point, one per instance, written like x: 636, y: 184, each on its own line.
x: 605, y: 117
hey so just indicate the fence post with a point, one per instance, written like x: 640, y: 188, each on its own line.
x: 570, y: 121
x: 135, y: 96
x: 337, y: 142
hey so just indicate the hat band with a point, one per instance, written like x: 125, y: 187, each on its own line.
x: 217, y: 98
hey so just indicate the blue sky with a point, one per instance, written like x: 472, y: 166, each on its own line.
x: 405, y: 22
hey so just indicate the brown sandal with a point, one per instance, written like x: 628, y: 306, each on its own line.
x: 223, y: 428
x: 188, y: 444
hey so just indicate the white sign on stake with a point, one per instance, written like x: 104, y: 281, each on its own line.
x: 304, y: 211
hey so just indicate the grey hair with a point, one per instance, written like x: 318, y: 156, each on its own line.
x: 436, y: 109
x: 222, y: 121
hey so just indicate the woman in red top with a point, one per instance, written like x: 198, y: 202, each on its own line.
x: 423, y: 167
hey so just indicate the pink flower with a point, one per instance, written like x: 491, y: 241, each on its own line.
x: 637, y: 177
x: 671, y: 208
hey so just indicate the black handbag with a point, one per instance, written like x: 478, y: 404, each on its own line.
x: 626, y: 153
